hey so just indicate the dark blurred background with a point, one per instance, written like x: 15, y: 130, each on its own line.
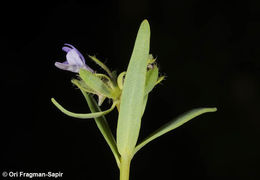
x: 209, y: 51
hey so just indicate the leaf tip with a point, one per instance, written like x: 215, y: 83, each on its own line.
x: 214, y: 109
x: 54, y: 101
x: 145, y: 23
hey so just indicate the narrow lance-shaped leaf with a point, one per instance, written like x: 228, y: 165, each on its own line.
x: 82, y: 115
x: 131, y: 107
x: 174, y: 124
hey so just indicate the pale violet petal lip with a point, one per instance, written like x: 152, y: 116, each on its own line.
x: 67, y: 67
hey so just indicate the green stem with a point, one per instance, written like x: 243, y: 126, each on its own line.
x: 125, y: 167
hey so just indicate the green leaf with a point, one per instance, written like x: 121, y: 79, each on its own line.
x: 103, y: 126
x: 174, y: 124
x: 96, y: 83
x: 82, y: 115
x: 151, y: 79
x: 132, y: 98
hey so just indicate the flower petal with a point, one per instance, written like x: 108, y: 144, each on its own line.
x: 68, y: 67
x: 71, y: 46
x: 80, y: 55
x: 66, y: 49
x: 73, y: 58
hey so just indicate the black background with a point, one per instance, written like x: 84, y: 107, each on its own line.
x: 209, y: 51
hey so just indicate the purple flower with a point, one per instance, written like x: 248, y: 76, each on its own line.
x: 75, y: 60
